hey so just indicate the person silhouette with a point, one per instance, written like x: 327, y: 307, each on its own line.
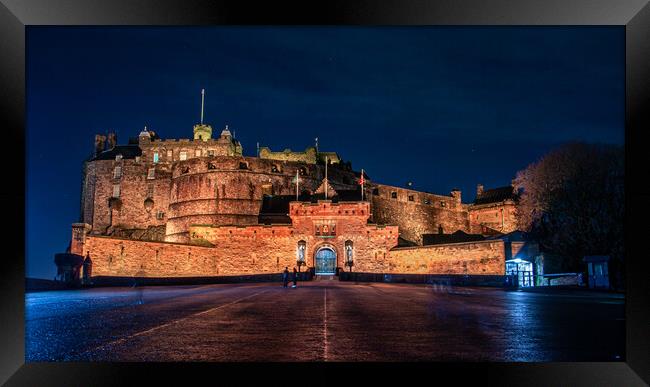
x: 285, y: 277
x: 295, y: 278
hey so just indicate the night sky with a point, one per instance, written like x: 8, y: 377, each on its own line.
x: 443, y: 107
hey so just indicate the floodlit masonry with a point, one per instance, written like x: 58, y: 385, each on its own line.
x: 199, y: 207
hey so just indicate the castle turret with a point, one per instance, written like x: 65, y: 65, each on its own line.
x: 226, y: 133
x: 145, y: 136
x: 202, y: 132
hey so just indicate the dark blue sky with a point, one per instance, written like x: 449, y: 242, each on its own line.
x: 442, y: 107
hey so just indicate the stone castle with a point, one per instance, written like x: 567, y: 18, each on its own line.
x: 199, y: 207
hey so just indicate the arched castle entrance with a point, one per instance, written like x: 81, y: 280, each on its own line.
x: 325, y: 260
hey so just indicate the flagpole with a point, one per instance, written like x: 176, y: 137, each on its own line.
x: 202, y: 99
x: 362, y: 181
x: 325, y: 177
x: 296, y: 185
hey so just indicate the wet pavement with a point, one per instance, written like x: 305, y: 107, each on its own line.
x: 323, y: 320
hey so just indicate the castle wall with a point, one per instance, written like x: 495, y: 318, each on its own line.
x: 243, y: 250
x: 268, y: 249
x: 308, y: 156
x: 497, y: 216
x: 222, y: 146
x: 227, y: 195
x: 135, y: 187
x: 482, y: 257
x: 421, y: 215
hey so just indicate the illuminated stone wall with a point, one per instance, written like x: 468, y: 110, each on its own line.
x: 482, y: 257
x: 417, y: 213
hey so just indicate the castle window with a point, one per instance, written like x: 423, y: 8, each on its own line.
x: 267, y: 189
x: 150, y: 190
x: 348, y: 251
x: 197, y: 153
x: 243, y: 165
x: 211, y: 153
x: 211, y: 166
x: 302, y: 171
x: 185, y: 170
x: 170, y: 154
x: 427, y: 201
x: 137, y: 159
x: 117, y: 172
x: 443, y: 204
x: 116, y: 190
x: 160, y: 215
x: 411, y: 198
x: 300, y: 252
x: 275, y: 169
x: 183, y: 156
x: 151, y: 174
x: 155, y: 157
x: 118, y: 157
x: 393, y: 195
x: 317, y: 229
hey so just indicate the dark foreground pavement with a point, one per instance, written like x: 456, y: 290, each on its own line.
x: 323, y: 320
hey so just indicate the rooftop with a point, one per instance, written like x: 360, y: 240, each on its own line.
x: 496, y: 195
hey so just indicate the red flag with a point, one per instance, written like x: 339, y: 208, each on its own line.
x: 361, y: 180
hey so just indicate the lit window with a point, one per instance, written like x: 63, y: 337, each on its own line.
x: 117, y: 172
x: 443, y: 204
x: 300, y: 252
x: 152, y: 173
x: 155, y: 157
x: 170, y: 154
x: 160, y: 215
x: 197, y: 153
x: 183, y: 156
x: 118, y: 157
x: 116, y: 191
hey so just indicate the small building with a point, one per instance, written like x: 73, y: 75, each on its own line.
x: 598, y: 271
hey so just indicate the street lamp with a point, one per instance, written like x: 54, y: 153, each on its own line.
x: 349, y: 263
x: 300, y: 262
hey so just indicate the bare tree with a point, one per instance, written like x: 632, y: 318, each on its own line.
x: 572, y: 201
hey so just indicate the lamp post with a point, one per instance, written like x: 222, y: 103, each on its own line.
x: 349, y: 263
x: 300, y: 262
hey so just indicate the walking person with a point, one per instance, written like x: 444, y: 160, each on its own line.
x: 285, y: 276
x: 295, y: 278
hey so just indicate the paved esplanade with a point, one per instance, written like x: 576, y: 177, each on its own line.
x: 323, y: 320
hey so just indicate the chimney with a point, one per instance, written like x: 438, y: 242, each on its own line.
x: 456, y: 194
x: 112, y: 140
x: 100, y: 143
x: 479, y: 190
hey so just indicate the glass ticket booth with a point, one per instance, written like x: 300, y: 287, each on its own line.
x: 522, y: 270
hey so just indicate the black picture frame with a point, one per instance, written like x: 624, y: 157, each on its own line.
x: 16, y: 14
